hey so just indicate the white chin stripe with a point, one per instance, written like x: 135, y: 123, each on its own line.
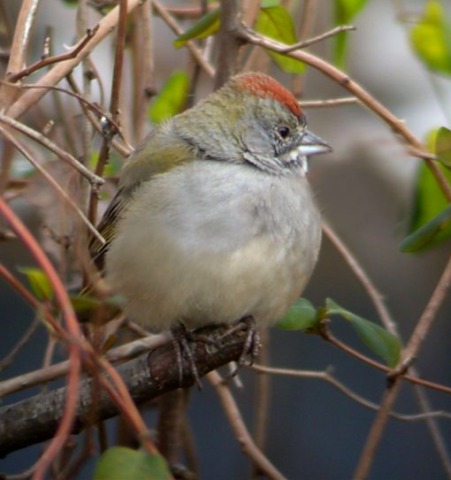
x: 298, y: 156
x: 303, y: 162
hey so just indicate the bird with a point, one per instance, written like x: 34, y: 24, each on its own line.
x: 214, y: 220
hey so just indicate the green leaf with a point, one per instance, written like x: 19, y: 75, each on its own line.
x: 376, y: 338
x: 431, y: 38
x: 118, y: 463
x: 39, y: 282
x: 203, y: 28
x: 276, y: 22
x: 429, y: 234
x: 443, y: 146
x: 171, y: 99
x: 345, y: 11
x: 302, y: 315
x: 83, y: 303
x: 429, y: 205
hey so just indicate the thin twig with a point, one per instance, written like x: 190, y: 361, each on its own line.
x: 174, y: 26
x: 373, y: 293
x: 318, y: 38
x: 109, y: 133
x: 327, y: 335
x: 58, y: 370
x: 43, y: 140
x: 329, y: 378
x: 426, y: 320
x: 262, y: 402
x: 53, y: 183
x: 44, y: 62
x: 424, y: 323
x: 10, y: 357
x: 238, y: 426
x: 332, y: 102
x: 390, y: 325
x: 62, y: 69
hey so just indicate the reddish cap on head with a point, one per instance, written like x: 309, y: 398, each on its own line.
x: 264, y: 86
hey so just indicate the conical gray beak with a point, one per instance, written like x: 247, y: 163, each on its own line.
x: 311, y: 144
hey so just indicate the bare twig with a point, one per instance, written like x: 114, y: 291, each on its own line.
x: 426, y: 320
x: 61, y: 69
x: 415, y: 342
x: 242, y: 434
x: 390, y: 325
x: 54, y: 184
x: 44, y: 62
x: 362, y: 277
x: 329, y: 378
x: 9, y: 357
x: 333, y: 102
x: 327, y: 335
x: 58, y: 370
x: 43, y: 140
x: 109, y: 133
x: 174, y: 26
x: 262, y: 402
x: 318, y: 38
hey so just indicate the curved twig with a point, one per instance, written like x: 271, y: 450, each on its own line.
x: 241, y: 432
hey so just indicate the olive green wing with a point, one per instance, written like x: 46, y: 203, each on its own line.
x: 158, y: 154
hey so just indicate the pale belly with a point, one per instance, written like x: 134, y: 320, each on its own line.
x: 215, y: 246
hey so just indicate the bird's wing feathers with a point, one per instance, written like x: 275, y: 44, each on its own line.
x: 106, y: 228
x: 157, y: 155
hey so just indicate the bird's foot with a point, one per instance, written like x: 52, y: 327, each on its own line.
x: 181, y: 338
x: 252, y: 341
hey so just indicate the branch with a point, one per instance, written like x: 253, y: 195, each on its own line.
x: 174, y: 26
x: 228, y: 41
x: 327, y: 377
x: 62, y: 69
x: 148, y: 376
x: 242, y: 434
x: 377, y: 429
x: 44, y: 141
x: 13, y: 77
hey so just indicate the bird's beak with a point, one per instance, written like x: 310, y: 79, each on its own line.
x: 311, y: 144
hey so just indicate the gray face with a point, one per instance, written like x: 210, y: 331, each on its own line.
x: 278, y: 141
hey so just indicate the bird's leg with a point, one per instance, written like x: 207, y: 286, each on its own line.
x: 180, y: 336
x: 252, y: 342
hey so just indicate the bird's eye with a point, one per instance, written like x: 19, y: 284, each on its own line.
x: 283, y: 132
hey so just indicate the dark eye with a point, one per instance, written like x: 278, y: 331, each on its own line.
x: 283, y: 132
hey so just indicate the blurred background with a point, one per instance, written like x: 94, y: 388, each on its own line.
x: 365, y: 189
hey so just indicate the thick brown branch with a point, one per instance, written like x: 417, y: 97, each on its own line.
x: 36, y: 419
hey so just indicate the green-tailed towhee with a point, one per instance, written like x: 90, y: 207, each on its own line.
x: 214, y: 220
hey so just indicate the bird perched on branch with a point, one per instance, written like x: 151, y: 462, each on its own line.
x: 214, y: 220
